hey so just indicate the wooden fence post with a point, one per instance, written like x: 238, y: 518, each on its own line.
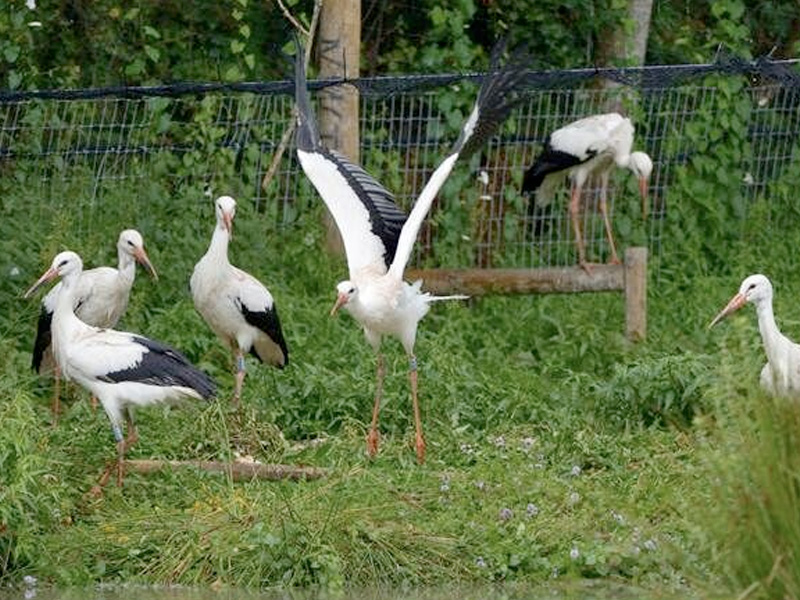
x: 339, y: 51
x: 635, y: 293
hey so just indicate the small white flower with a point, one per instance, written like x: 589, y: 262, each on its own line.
x: 576, y: 470
x: 573, y: 498
x: 31, y: 4
x: 483, y: 177
x: 480, y: 484
x: 14, y: 271
x: 574, y: 553
x: 480, y: 562
x: 29, y: 594
x: 532, y: 510
x: 30, y: 581
x: 650, y: 545
x: 619, y: 518
x: 527, y: 443
x: 500, y: 441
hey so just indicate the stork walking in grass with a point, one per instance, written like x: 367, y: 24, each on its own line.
x: 590, y: 146
x: 781, y: 375
x: 379, y: 238
x: 100, y: 299
x: 234, y: 304
x: 124, y: 370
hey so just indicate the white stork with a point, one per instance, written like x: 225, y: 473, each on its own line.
x: 377, y: 236
x: 236, y: 306
x: 590, y: 146
x: 781, y: 375
x: 123, y: 370
x: 100, y: 299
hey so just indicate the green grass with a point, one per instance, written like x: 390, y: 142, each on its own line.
x: 557, y: 451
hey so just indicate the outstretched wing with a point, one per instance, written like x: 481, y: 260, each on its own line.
x: 496, y: 99
x: 368, y: 219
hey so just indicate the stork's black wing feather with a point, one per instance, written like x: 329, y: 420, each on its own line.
x: 44, y: 338
x: 268, y: 322
x: 162, y: 365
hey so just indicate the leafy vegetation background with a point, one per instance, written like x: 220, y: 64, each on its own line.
x: 557, y: 449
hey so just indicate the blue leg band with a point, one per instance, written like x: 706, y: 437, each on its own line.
x: 240, y: 363
x: 117, y: 432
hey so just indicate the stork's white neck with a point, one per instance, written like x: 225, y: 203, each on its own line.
x: 126, y: 267
x: 771, y: 336
x: 65, y: 323
x: 218, y: 248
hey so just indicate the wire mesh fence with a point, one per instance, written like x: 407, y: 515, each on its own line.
x: 84, y: 152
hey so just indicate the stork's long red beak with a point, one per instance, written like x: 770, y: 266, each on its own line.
x: 227, y: 220
x: 141, y: 257
x: 737, y: 302
x: 643, y: 191
x: 49, y: 275
x: 341, y: 300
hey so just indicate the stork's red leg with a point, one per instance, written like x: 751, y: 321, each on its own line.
x: 373, y: 437
x: 574, y: 207
x: 419, y: 441
x: 604, y: 211
x: 240, y: 373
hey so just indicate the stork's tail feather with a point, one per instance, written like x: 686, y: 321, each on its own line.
x: 432, y: 298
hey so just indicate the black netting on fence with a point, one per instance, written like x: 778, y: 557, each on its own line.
x: 84, y: 150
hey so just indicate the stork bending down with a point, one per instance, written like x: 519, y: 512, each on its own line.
x: 377, y: 236
x: 580, y: 149
x: 122, y: 369
x: 100, y: 299
x: 237, y: 307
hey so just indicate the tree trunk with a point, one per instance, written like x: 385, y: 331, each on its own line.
x: 621, y: 48
x: 338, y: 52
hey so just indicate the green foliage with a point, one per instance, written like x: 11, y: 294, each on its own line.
x: 667, y: 390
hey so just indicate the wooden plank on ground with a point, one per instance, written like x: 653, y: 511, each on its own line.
x: 240, y: 470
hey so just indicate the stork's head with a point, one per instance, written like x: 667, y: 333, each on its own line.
x: 755, y: 289
x: 66, y: 265
x: 641, y: 165
x: 131, y: 243
x: 226, y: 210
x: 345, y: 292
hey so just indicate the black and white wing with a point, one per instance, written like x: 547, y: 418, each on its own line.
x: 588, y: 137
x: 257, y: 306
x: 496, y: 98
x: 365, y: 212
x: 116, y: 357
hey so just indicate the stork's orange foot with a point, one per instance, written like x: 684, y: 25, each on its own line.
x: 420, y: 445
x: 373, y: 440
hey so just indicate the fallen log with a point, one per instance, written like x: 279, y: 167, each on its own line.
x: 239, y: 470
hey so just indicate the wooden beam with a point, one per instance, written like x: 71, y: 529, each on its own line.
x: 635, y: 293
x: 479, y: 282
x: 339, y: 53
x: 239, y: 471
